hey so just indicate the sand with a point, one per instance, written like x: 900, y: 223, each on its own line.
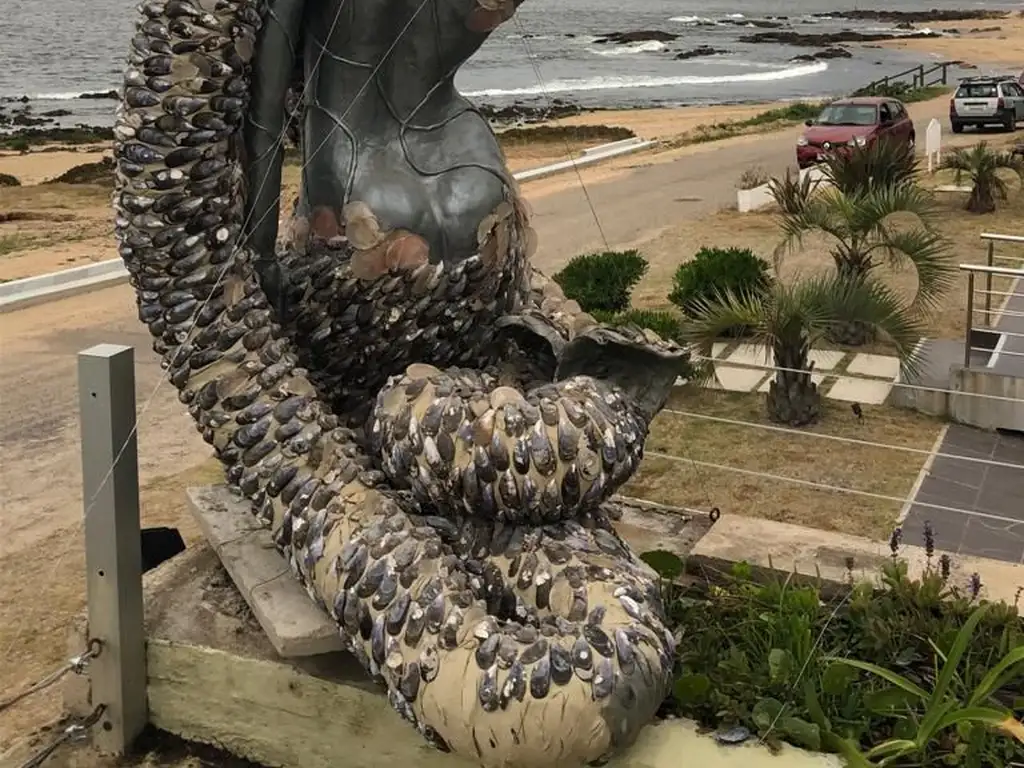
x: 994, y: 43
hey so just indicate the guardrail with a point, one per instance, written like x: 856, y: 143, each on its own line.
x: 987, y: 339
x: 919, y: 76
x: 992, y: 238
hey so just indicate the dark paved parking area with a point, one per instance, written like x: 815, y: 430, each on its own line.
x: 991, y: 523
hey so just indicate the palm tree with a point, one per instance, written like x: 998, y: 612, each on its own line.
x: 863, y: 233
x: 792, y: 319
x: 982, y: 165
x: 881, y: 163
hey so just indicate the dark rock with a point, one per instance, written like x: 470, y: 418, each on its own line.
x: 826, y: 38
x: 700, y: 50
x: 6, y: 180
x: 56, y: 113
x: 914, y: 16
x: 638, y: 36
x: 24, y: 119
x: 835, y: 52
x: 99, y: 95
x: 528, y: 114
x: 759, y: 23
x: 88, y: 173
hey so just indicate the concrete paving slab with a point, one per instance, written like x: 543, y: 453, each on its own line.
x: 718, y: 348
x: 883, y: 366
x: 991, y: 521
x: 860, y: 391
x: 737, y: 379
x: 752, y: 354
x: 822, y: 555
x: 826, y: 359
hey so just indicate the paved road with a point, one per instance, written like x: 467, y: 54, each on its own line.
x: 40, y: 474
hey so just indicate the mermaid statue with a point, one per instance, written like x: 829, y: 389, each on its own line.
x: 429, y: 429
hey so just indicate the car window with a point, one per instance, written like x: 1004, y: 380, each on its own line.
x: 1012, y: 89
x: 976, y: 91
x: 884, y: 114
x: 848, y: 114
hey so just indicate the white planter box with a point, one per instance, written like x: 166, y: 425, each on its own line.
x: 748, y: 200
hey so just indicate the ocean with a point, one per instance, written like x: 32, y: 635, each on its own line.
x: 54, y: 51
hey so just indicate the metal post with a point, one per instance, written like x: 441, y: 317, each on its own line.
x: 113, y: 549
x: 970, y: 319
x: 988, y: 285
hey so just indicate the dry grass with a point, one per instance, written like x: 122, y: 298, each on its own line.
x: 760, y: 232
x: 44, y: 589
x: 875, y: 470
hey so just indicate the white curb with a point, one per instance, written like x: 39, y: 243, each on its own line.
x: 19, y: 294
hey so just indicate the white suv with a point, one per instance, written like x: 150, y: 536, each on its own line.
x: 981, y: 101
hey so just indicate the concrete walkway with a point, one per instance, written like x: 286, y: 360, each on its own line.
x: 735, y: 374
x: 992, y: 497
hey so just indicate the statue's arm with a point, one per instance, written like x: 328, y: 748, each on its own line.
x: 273, y: 66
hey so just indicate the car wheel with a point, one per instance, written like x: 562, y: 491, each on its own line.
x: 957, y: 127
x: 1010, y: 123
x: 912, y: 141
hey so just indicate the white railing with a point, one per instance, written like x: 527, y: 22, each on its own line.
x: 992, y: 238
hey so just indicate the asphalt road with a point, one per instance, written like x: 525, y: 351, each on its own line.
x: 40, y: 471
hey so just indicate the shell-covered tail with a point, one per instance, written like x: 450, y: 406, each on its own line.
x: 512, y: 644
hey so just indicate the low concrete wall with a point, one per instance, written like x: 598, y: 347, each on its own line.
x: 213, y: 677
x: 986, y: 412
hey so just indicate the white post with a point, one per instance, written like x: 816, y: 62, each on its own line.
x: 933, y: 145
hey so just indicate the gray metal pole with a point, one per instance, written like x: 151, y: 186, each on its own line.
x: 970, y: 319
x: 113, y: 548
x: 988, y: 284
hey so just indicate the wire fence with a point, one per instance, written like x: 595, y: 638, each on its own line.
x: 73, y: 732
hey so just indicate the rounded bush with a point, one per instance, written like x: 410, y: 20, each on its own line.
x: 716, y: 271
x: 602, y: 281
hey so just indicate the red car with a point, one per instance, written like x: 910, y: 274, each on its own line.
x: 854, y: 122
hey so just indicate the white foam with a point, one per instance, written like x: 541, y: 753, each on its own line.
x: 693, y: 20
x: 618, y: 83
x: 648, y: 46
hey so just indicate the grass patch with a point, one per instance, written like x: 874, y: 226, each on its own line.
x: 546, y: 134
x: 83, y: 134
x: 904, y: 92
x: 818, y: 460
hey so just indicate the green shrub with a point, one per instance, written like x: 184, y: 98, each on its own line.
x: 715, y: 271
x: 765, y: 656
x: 6, y: 180
x: 665, y: 324
x: 602, y: 281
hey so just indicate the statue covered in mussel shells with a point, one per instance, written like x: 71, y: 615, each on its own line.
x: 429, y: 429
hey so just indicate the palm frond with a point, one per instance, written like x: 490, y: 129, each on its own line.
x: 928, y: 251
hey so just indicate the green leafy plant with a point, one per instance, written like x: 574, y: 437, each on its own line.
x: 943, y: 709
x: 983, y: 167
x: 779, y: 657
x: 791, y: 319
x: 602, y: 281
x: 752, y: 177
x: 666, y: 324
x: 859, y: 170
x: 864, y: 231
x: 792, y: 193
x: 713, y: 273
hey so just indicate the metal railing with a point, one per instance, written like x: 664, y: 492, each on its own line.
x: 972, y: 333
x: 992, y: 238
x: 919, y: 77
